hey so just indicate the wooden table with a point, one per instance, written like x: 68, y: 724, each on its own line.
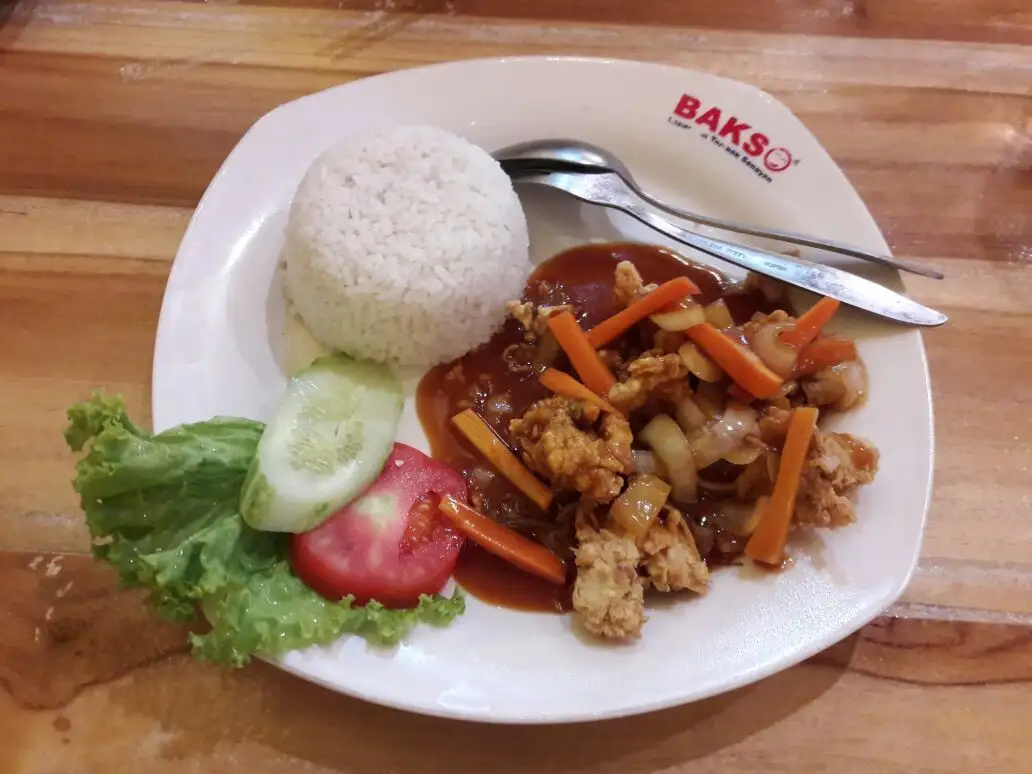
x: 114, y: 114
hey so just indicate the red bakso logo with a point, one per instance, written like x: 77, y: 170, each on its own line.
x: 777, y: 159
x: 738, y: 138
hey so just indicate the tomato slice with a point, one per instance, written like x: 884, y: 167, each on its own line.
x: 391, y: 544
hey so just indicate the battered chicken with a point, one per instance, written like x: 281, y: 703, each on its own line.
x: 608, y: 593
x: 840, y: 387
x: 778, y: 316
x: 773, y: 425
x: 522, y: 312
x: 534, y: 319
x: 577, y: 448
x: 838, y: 463
x: 629, y: 285
x: 653, y: 375
x: 772, y: 289
x: 671, y: 558
x: 558, y: 440
x: 613, y: 360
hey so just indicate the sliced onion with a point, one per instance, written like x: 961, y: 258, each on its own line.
x: 688, y: 414
x: 675, y: 454
x: 738, y: 518
x: 746, y: 452
x: 638, y: 506
x: 708, y: 448
x: 718, y: 315
x: 699, y: 364
x: 687, y: 316
x: 499, y: 404
x: 740, y: 421
x: 778, y: 357
x: 710, y: 398
x: 756, y: 479
x: 717, y: 486
x: 481, y: 477
x: 724, y: 435
x: 644, y: 461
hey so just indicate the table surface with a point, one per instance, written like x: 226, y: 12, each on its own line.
x: 114, y: 115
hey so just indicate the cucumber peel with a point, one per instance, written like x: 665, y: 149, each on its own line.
x: 327, y: 442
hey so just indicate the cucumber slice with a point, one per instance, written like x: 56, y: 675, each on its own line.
x: 327, y: 442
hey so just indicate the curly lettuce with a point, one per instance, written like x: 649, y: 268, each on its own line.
x: 162, y: 510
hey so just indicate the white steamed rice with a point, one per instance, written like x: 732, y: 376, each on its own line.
x: 403, y: 245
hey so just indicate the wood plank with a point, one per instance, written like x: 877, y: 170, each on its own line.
x: 998, y: 21
x: 866, y: 699
x: 115, y: 145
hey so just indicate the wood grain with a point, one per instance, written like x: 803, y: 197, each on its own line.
x: 114, y: 115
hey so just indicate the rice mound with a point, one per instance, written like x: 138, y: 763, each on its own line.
x: 403, y: 245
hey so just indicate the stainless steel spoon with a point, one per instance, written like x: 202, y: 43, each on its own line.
x: 562, y: 155
x: 609, y: 190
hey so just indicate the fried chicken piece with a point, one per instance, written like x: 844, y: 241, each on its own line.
x: 760, y: 320
x: 614, y: 362
x: 652, y: 375
x: 534, y: 319
x: 558, y: 440
x: 839, y: 387
x: 628, y: 285
x: 773, y: 424
x: 671, y: 558
x: 772, y: 289
x: 522, y: 312
x: 782, y: 399
x: 608, y: 593
x: 837, y: 464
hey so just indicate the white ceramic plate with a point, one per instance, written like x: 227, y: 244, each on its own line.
x: 220, y: 350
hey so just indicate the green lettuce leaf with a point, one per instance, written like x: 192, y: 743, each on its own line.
x: 274, y: 612
x: 162, y: 510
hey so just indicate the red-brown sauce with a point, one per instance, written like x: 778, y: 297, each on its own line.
x: 582, y: 276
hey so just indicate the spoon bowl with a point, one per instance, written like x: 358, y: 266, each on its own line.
x: 556, y: 154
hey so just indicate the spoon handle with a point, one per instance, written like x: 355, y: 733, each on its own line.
x: 791, y: 237
x: 609, y: 190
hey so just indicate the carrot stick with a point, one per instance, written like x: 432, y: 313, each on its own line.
x: 566, y: 385
x: 612, y: 328
x: 767, y: 543
x: 823, y: 353
x: 740, y: 363
x: 585, y: 360
x: 480, y: 434
x: 810, y: 323
x: 503, y: 542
